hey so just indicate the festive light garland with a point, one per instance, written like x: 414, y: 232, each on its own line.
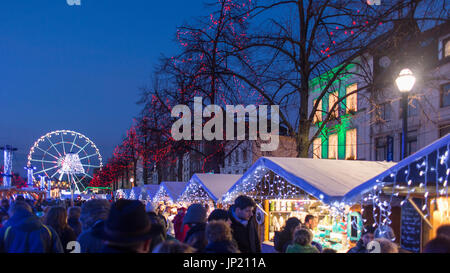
x: 194, y: 193
x: 426, y: 168
x: 162, y: 195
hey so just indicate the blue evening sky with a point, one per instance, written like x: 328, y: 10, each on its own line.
x: 80, y: 67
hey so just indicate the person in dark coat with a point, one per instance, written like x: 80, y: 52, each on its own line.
x: 57, y: 219
x: 285, y: 237
x: 127, y: 230
x: 93, y: 213
x: 25, y: 233
x: 361, y: 245
x: 195, y: 218
x: 4, y: 207
x: 244, y: 226
x: 73, y: 219
x: 220, y: 239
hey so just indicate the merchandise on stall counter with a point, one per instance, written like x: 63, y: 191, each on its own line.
x: 331, y: 231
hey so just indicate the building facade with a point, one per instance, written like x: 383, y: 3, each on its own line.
x: 368, y: 124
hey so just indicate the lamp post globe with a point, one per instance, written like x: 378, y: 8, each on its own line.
x: 405, y: 80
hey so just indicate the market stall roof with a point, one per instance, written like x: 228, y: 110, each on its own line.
x: 151, y: 190
x: 216, y: 185
x: 127, y: 193
x: 440, y: 146
x: 325, y: 179
x: 34, y: 190
x: 173, y: 188
x: 136, y: 192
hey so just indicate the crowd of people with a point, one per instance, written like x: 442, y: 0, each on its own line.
x: 297, y: 237
x: 127, y: 226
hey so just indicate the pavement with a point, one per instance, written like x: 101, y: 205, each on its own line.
x: 267, y: 247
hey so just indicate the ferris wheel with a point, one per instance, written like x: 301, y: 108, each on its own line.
x: 65, y: 156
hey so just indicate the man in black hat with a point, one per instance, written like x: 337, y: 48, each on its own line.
x: 127, y: 229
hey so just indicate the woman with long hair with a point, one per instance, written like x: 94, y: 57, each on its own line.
x: 56, y: 217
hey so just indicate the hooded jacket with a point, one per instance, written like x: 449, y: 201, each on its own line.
x: 246, y: 237
x: 196, y: 237
x: 24, y: 233
x: 179, y: 228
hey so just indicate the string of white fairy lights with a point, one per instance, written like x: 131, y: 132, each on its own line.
x: 427, y: 169
x: 194, y: 193
x: 162, y: 195
x: 266, y: 184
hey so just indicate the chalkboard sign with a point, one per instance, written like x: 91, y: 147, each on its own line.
x: 411, y: 227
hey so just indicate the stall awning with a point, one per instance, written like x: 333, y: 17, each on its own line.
x: 173, y: 188
x: 136, y: 191
x: 435, y: 155
x: 216, y: 185
x: 127, y: 193
x: 325, y: 179
x: 151, y: 190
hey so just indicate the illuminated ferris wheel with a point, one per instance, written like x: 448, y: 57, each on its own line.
x: 65, y: 156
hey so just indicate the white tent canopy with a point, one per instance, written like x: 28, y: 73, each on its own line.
x: 172, y: 188
x: 135, y: 192
x: 149, y: 191
x: 215, y: 185
x: 124, y: 192
x: 325, y: 179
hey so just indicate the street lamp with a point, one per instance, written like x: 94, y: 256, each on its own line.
x: 405, y: 82
x: 131, y: 181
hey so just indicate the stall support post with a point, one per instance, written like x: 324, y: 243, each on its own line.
x: 266, y: 220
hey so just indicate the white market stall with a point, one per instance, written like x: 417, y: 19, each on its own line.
x: 135, y: 193
x: 148, y: 192
x: 295, y: 187
x: 169, y: 192
x: 123, y: 193
x: 207, y: 188
x: 411, y: 197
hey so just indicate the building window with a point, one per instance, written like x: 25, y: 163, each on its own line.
x: 352, y: 100
x: 332, y: 146
x: 350, y: 144
x: 317, y: 148
x: 445, y: 95
x: 385, y: 111
x: 244, y: 155
x: 318, y: 114
x: 332, y: 99
x: 412, y: 145
x: 446, y: 48
x: 380, y: 148
x: 444, y: 130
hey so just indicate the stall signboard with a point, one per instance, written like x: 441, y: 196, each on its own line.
x: 411, y: 227
x: 354, y: 226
